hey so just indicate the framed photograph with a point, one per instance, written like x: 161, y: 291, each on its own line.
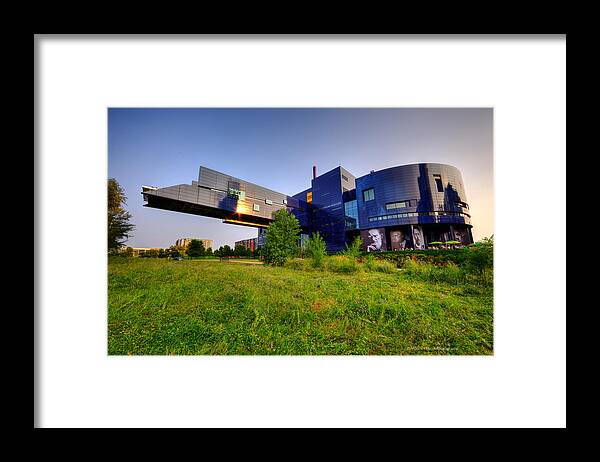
x: 324, y: 222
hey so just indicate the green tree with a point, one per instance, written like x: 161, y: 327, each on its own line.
x: 281, y: 238
x: 173, y: 251
x: 316, y: 249
x: 209, y: 251
x: 196, y: 248
x: 119, y: 228
x: 242, y: 251
x: 227, y: 251
x: 151, y: 253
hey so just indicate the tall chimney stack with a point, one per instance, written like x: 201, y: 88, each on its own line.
x: 314, y: 171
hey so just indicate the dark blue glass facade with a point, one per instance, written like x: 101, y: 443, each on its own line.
x: 409, y: 206
x: 327, y: 209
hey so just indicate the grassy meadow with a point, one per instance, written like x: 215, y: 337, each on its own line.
x: 208, y: 307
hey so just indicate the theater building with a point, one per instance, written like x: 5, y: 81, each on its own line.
x: 397, y: 208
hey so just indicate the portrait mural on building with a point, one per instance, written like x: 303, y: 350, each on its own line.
x: 462, y: 235
x: 399, y: 240
x: 374, y: 240
x: 418, y: 238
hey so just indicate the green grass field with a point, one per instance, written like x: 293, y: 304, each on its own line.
x: 206, y: 307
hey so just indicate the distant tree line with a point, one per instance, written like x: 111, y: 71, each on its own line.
x: 194, y: 249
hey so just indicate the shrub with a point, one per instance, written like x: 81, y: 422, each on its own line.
x: 480, y: 256
x: 449, y: 273
x: 121, y: 252
x: 316, y: 249
x: 385, y: 267
x: 300, y: 264
x: 459, y: 256
x: 281, y: 238
x: 342, y: 264
x: 369, y: 262
x: 354, y: 250
x: 150, y: 253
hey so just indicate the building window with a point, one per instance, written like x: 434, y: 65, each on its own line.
x: 397, y: 205
x: 256, y: 207
x: 344, y: 178
x: 309, y: 197
x: 268, y: 201
x: 438, y: 183
x: 236, y: 193
x: 368, y: 194
x: 351, y: 214
x: 417, y: 214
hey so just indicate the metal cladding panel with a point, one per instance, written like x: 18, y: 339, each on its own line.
x: 171, y: 192
x: 207, y: 178
x: 329, y: 218
x: 415, y: 183
x: 302, y: 210
x: 188, y: 193
x: 255, y: 196
x: 302, y: 195
x: 348, y: 180
x: 295, y: 203
x: 223, y: 196
x: 216, y: 180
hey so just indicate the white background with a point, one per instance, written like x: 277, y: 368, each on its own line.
x: 523, y: 384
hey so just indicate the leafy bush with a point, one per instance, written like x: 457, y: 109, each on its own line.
x: 121, y: 252
x: 316, y: 249
x: 150, y: 253
x: 474, y: 259
x: 354, y: 250
x: 369, y: 262
x: 174, y: 251
x: 385, y: 267
x: 450, y: 273
x: 433, y: 257
x: 342, y: 264
x: 480, y: 256
x: 281, y: 238
x: 300, y: 264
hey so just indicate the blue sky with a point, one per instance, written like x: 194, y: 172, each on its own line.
x: 276, y: 148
